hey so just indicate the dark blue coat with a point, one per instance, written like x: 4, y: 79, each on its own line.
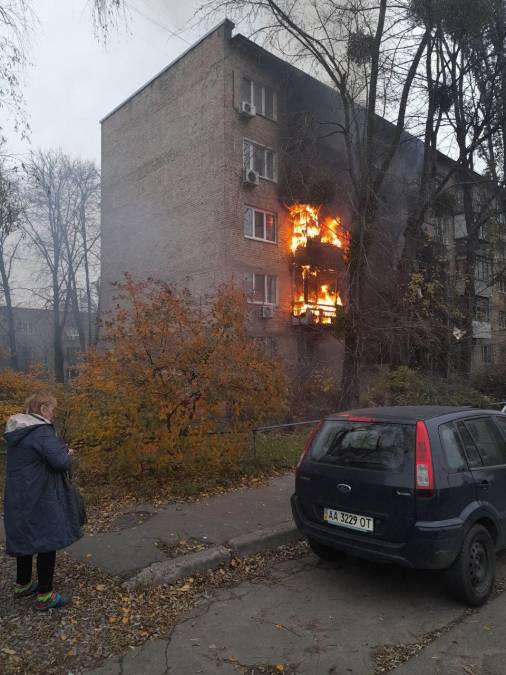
x: 40, y: 512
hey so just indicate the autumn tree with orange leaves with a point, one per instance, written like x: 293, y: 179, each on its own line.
x: 178, y: 388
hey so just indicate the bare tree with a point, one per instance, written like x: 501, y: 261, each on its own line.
x: 62, y: 197
x: 11, y: 215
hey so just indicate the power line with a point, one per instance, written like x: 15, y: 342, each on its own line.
x: 155, y: 22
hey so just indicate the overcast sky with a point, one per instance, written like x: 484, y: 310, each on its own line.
x: 74, y: 80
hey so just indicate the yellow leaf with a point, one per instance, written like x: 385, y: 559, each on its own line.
x: 280, y: 668
x: 185, y: 588
x: 100, y: 587
x: 125, y: 620
x: 71, y: 652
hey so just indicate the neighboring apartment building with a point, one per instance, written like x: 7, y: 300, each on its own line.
x: 34, y: 340
x: 191, y: 192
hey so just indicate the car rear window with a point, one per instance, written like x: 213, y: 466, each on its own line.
x: 377, y: 445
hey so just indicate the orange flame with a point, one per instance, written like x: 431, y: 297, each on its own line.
x: 306, y: 225
x: 321, y: 305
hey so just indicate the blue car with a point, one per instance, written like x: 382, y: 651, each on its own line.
x: 419, y: 486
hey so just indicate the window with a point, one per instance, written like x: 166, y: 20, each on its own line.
x: 502, y: 319
x: 260, y: 224
x: 452, y: 448
x: 472, y: 453
x: 486, y: 437
x: 486, y: 354
x: 261, y: 288
x: 377, y: 445
x: 501, y: 423
x: 263, y: 98
x: 501, y: 283
x: 261, y: 159
x: 481, y: 309
x: 482, y: 232
x: 482, y: 269
x: 441, y: 232
x: 24, y: 327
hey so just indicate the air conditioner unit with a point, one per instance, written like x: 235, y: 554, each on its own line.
x: 266, y: 311
x: 248, y: 109
x: 251, y: 177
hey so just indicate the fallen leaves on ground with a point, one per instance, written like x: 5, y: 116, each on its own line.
x: 104, y: 619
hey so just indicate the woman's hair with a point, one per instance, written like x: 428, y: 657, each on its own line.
x: 34, y: 402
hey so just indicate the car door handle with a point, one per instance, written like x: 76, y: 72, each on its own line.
x: 484, y: 484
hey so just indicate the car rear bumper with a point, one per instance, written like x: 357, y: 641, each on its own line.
x: 429, y: 547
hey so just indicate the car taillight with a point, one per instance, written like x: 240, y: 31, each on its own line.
x: 423, y: 459
x: 309, y: 441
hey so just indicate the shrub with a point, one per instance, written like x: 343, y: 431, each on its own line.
x: 492, y: 381
x: 16, y: 387
x: 406, y: 386
x: 177, y: 390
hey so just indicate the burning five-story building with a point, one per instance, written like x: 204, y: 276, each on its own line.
x: 209, y: 174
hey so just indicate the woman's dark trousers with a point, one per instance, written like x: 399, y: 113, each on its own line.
x: 45, y: 570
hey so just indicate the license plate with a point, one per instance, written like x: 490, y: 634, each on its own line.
x: 350, y: 520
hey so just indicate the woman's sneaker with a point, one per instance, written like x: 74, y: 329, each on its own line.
x: 50, y: 601
x: 25, y: 591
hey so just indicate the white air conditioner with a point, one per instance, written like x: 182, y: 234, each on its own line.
x: 266, y: 311
x: 251, y: 177
x: 248, y: 109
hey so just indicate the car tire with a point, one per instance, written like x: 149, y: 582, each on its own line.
x: 324, y: 552
x: 471, y: 577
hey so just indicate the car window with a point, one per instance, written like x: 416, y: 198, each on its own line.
x: 491, y: 446
x: 473, y: 456
x: 376, y: 445
x: 501, y: 423
x: 453, y: 451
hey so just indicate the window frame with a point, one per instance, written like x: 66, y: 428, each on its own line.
x: 484, y: 349
x: 480, y: 301
x: 486, y: 265
x: 250, y: 165
x: 501, y: 318
x: 498, y: 437
x: 501, y: 283
x: 250, y: 298
x: 265, y: 213
x: 251, y: 100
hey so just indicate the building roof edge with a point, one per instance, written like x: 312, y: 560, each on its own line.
x: 226, y: 22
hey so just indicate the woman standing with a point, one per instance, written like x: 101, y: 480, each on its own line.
x: 40, y: 511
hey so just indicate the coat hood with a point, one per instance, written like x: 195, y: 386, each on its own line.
x: 18, y: 426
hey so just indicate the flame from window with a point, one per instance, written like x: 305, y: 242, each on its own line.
x: 321, y: 303
x: 306, y: 226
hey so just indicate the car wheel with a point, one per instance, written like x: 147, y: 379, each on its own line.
x: 324, y: 552
x: 471, y: 576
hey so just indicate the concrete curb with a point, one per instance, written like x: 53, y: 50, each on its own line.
x: 270, y: 537
x: 168, y: 571
x: 177, y: 568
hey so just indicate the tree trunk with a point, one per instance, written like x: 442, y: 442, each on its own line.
x: 11, y: 325
x: 59, y: 356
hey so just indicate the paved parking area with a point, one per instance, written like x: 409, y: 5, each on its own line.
x: 308, y: 618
